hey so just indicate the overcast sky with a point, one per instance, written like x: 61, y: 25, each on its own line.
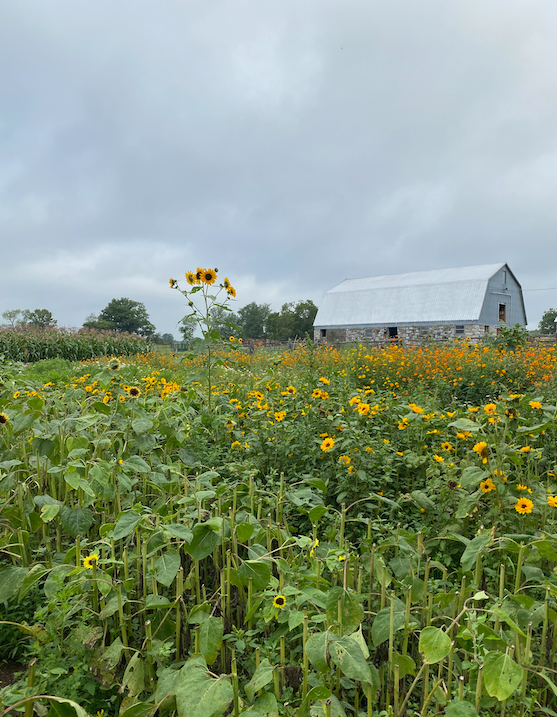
x: 292, y: 144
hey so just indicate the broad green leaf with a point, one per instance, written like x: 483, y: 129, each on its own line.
x: 261, y: 677
x: 210, y: 638
x: 472, y: 550
x: 60, y: 707
x: 434, y: 645
x: 508, y: 619
x: 334, y: 708
x: 139, y: 710
x: 258, y: 570
x: 406, y: 665
x: 200, y: 695
x: 22, y: 421
x: 204, y: 542
x: 137, y: 464
x: 49, y: 512
x: 467, y: 506
x: 142, y: 425
x: 295, y: 618
x: 11, y: 578
x: 76, y: 521
x: 501, y: 675
x: 465, y: 424
x: 316, y: 693
x: 460, y: 709
x: 179, y: 531
x: 317, y: 650
x: 351, y: 610
x: 347, y: 654
x: 472, y: 477
x: 316, y: 513
x: 31, y: 579
x: 126, y: 523
x: 134, y: 676
x: 166, y: 567
x: 359, y: 638
x: 381, y: 625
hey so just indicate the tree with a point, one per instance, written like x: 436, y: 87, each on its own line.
x: 12, y: 315
x: 221, y: 319
x: 123, y: 315
x: 168, y: 338
x: 294, y: 320
x: 253, y: 320
x: 40, y: 318
x: 187, y: 328
x: 547, y: 325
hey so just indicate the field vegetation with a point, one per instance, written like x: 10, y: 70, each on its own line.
x: 314, y: 533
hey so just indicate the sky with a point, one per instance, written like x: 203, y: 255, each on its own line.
x: 290, y: 144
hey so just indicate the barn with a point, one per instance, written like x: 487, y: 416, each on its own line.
x: 437, y: 305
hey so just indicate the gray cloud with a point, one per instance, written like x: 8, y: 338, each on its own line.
x: 290, y: 144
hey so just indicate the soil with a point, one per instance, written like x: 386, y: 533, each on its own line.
x: 8, y: 669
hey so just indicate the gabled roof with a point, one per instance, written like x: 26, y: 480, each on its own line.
x: 440, y: 296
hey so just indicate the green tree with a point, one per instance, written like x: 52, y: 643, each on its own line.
x: 123, y: 315
x: 293, y: 321
x: 168, y: 338
x: 253, y: 320
x: 12, y: 315
x: 40, y: 318
x: 187, y: 328
x: 547, y: 325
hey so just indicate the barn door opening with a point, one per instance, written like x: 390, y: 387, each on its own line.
x: 393, y: 332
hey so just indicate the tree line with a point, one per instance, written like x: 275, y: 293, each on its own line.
x: 253, y: 321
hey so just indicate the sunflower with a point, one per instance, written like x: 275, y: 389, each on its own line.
x: 17, y: 394
x: 327, y: 444
x: 438, y: 459
x: 523, y: 506
x: 446, y: 446
x: 552, y: 501
x: 316, y: 393
x: 208, y: 276
x: 198, y: 275
x: 490, y: 408
x: 172, y: 282
x: 90, y: 561
x: 4, y: 418
x: 191, y: 278
x: 291, y: 390
x: 279, y: 601
x: 231, y: 291
x: 535, y: 404
x: 363, y: 409
x: 134, y: 391
x: 481, y: 449
x: 345, y: 460
x: 226, y: 283
x: 486, y: 486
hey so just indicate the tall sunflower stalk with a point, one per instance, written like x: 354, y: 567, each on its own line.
x: 203, y: 280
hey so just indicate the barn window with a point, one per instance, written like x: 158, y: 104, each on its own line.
x: 393, y: 332
x: 502, y: 313
x: 323, y: 333
x: 486, y: 329
x: 459, y: 329
x: 368, y: 333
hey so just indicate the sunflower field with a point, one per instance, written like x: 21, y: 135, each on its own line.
x: 315, y: 533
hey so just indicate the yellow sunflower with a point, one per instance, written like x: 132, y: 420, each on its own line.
x: 523, y: 506
x: 191, y: 278
x: 231, y: 291
x: 279, y: 601
x: 4, y: 418
x: 327, y: 444
x: 90, y: 561
x: 208, y: 276
x: 134, y: 391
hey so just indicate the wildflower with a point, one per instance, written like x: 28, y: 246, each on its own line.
x: 369, y: 449
x: 450, y: 414
x: 106, y: 398
x: 134, y: 391
x: 226, y: 283
x: 17, y: 394
x: 291, y: 390
x: 446, y: 446
x: 231, y: 291
x: 490, y: 408
x: 325, y: 380
x: 316, y: 393
x: 463, y: 434
x: 279, y: 415
x: 422, y: 510
x: 416, y: 408
x: 474, y: 409
x: 120, y: 462
x: 327, y: 444
x: 386, y: 441
x: 313, y: 547
x: 345, y: 460
x: 525, y: 449
x: 279, y: 601
x: 341, y: 558
x: 354, y: 400
x: 323, y: 435
x: 121, y: 399
x: 486, y: 486
x: 438, y: 459
x: 4, y: 418
x: 500, y: 474
x: 363, y: 409
x: 235, y: 445
x: 399, y: 453
x: 523, y: 506
x: 239, y: 340
x: 208, y: 276
x: 90, y: 561
x: 231, y: 338
x: 481, y: 449
x: 403, y: 424
x: 325, y: 395
x: 171, y: 281
x: 191, y: 278
x: 552, y: 501
x: 535, y: 404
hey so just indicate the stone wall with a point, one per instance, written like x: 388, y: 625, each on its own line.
x: 411, y: 335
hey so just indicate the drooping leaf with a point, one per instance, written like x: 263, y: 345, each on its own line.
x: 142, y: 425
x: 76, y: 521
x: 347, y: 654
x: 434, y: 644
x: 472, y: 550
x: 166, y: 567
x: 258, y: 570
x: 210, y: 638
x: 261, y: 677
x: 205, y: 540
x: 134, y: 676
x: 501, y: 675
x: 317, y: 650
x: 60, y: 707
x: 126, y: 523
x: 11, y: 578
x: 179, y: 531
x: 198, y: 694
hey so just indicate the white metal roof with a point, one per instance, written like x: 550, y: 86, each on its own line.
x: 440, y: 296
